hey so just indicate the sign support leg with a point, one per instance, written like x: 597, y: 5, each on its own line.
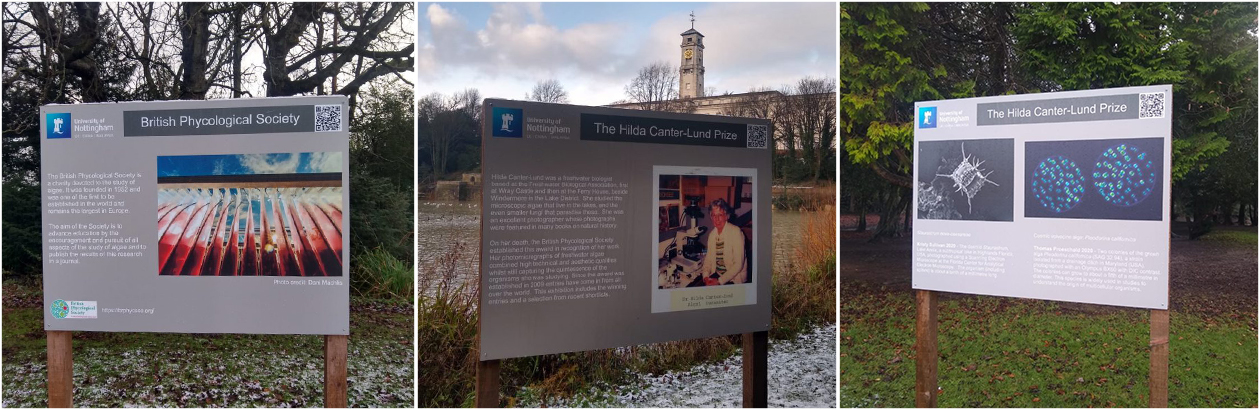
x: 487, y: 384
x: 1159, y: 359
x: 335, y: 371
x: 926, y: 354
x: 60, y: 369
x: 756, y: 366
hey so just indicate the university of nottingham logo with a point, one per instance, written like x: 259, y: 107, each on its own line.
x: 507, y: 122
x: 927, y: 117
x: 58, y: 125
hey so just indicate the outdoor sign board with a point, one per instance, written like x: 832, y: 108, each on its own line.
x: 1060, y: 196
x: 607, y: 227
x: 220, y: 216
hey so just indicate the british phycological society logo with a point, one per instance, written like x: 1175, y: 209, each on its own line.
x: 59, y: 307
x: 58, y: 125
x: 507, y: 122
x: 927, y: 117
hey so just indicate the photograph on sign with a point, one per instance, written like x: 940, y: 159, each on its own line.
x: 250, y: 215
x: 1095, y: 179
x: 971, y: 180
x: 704, y: 238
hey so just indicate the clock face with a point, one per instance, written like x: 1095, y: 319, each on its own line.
x: 687, y: 54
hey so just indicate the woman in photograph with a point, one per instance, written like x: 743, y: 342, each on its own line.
x: 724, y: 263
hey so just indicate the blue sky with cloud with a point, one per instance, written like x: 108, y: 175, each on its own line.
x: 595, y: 49
x: 249, y: 164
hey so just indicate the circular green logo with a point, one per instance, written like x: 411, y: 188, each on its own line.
x: 60, y: 309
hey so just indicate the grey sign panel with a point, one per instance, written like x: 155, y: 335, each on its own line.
x: 1058, y: 196
x: 240, y: 225
x: 606, y: 227
x: 1076, y: 109
x: 219, y: 121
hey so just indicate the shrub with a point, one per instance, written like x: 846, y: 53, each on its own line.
x: 378, y: 274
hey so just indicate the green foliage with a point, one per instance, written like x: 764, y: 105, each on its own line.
x: 892, y: 55
x: 1206, y: 50
x: 881, y: 82
x: 22, y: 236
x: 1098, y: 45
x: 382, y: 137
x: 380, y: 216
x: 378, y: 274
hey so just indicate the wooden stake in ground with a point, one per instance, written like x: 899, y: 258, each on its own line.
x: 487, y: 384
x: 756, y: 369
x: 1159, y: 359
x: 925, y: 356
x: 60, y: 369
x: 335, y: 371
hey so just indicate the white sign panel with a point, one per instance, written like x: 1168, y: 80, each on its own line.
x: 1058, y: 196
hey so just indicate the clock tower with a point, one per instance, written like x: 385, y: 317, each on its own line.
x: 691, y: 71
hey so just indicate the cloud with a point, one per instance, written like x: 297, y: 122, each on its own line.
x: 220, y: 167
x: 515, y: 40
x: 747, y: 45
x: 270, y: 163
x: 324, y: 162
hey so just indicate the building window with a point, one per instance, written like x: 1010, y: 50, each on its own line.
x: 688, y: 86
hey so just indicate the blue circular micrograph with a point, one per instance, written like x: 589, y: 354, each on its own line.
x: 1057, y: 184
x: 1124, y: 175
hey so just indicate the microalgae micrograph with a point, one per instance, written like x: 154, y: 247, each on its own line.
x: 968, y: 177
x: 1057, y: 184
x: 1120, y: 179
x: 1125, y: 175
x: 975, y: 172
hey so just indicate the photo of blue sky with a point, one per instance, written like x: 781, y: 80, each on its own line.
x: 249, y: 164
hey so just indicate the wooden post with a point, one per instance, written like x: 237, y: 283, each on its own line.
x: 756, y: 369
x: 487, y: 384
x: 1159, y: 359
x: 60, y: 369
x: 335, y: 371
x: 926, y: 355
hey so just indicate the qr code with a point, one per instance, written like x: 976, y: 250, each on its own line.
x: 758, y: 136
x: 1151, y: 105
x: 327, y: 118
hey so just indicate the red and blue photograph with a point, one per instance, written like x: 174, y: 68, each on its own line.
x: 250, y: 215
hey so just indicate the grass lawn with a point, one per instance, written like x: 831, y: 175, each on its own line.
x: 1009, y: 352
x: 208, y: 370
x: 1022, y: 353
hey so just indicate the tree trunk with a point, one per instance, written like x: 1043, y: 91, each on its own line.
x: 195, y: 35
x: 861, y: 212
x: 889, y: 214
x: 906, y: 226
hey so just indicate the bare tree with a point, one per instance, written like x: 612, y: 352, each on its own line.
x: 759, y: 102
x: 68, y: 38
x: 299, y: 59
x: 809, y: 118
x: 445, y: 120
x: 549, y: 91
x: 655, y: 88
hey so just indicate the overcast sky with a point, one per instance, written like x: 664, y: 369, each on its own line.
x: 595, y: 49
